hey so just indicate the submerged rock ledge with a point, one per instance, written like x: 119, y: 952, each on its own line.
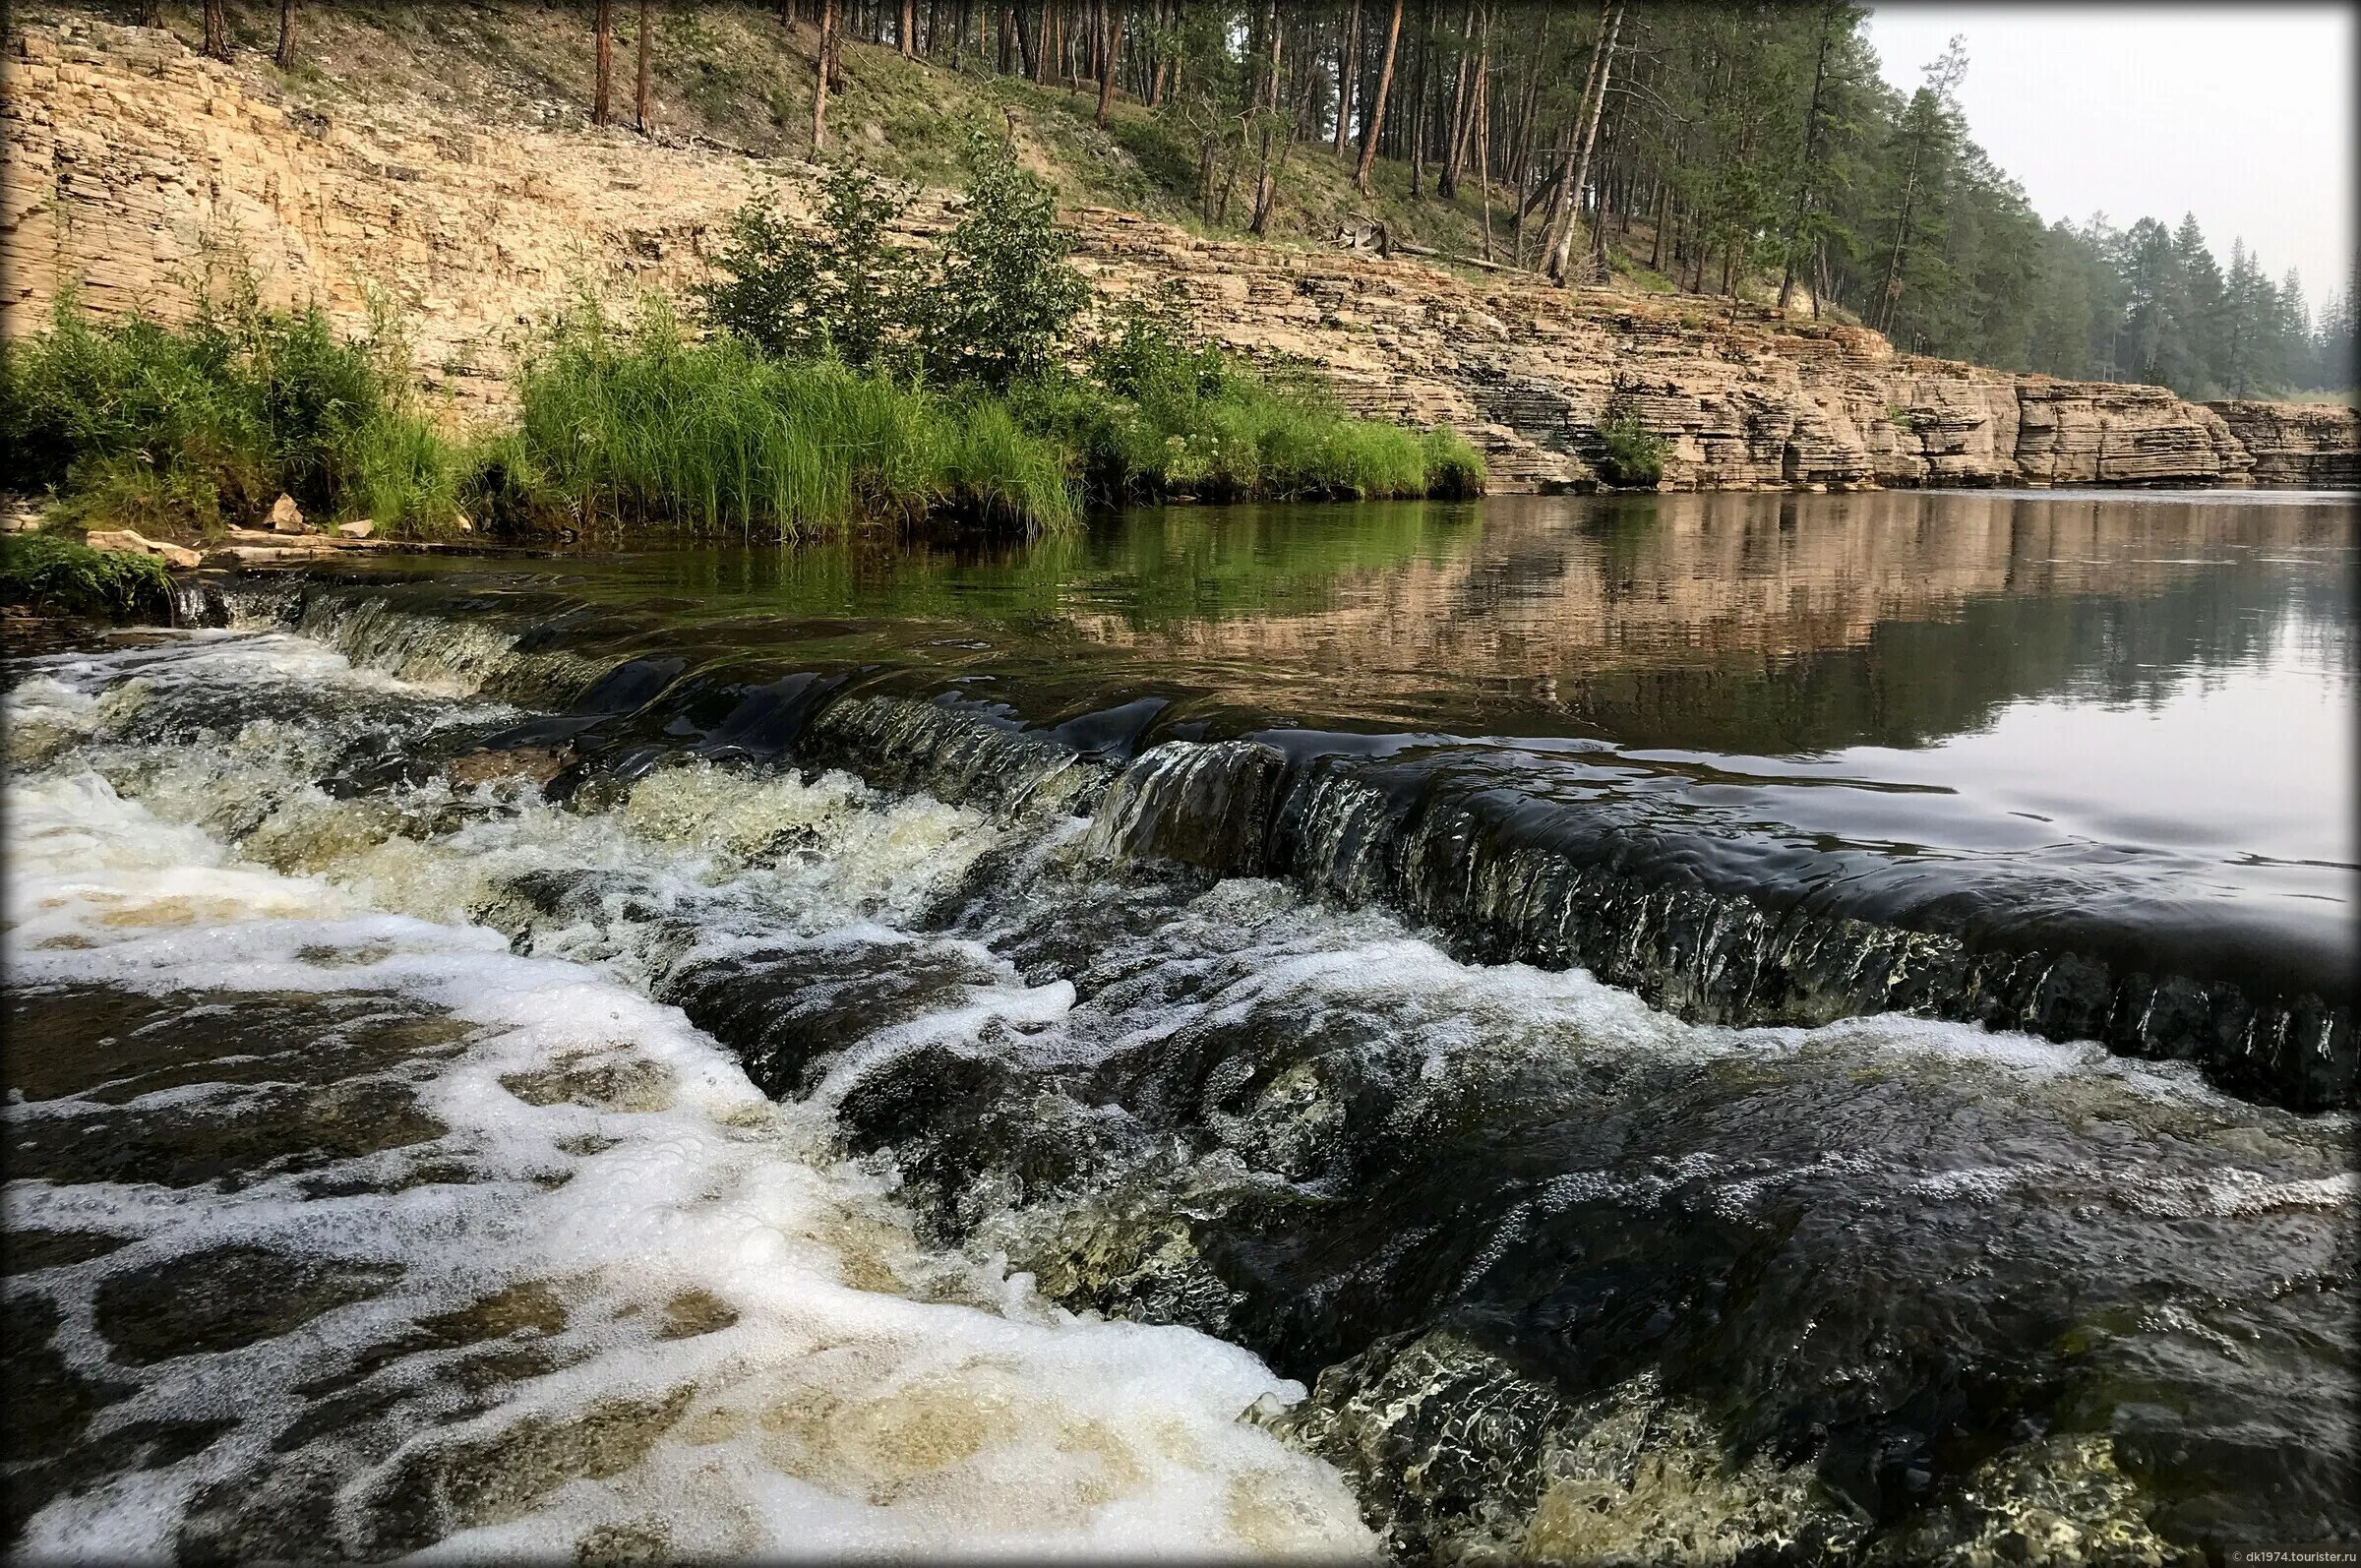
x: 1504, y: 879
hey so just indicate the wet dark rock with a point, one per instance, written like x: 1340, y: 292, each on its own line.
x: 785, y: 1012
x: 439, y: 1489
x: 951, y: 1113
x: 32, y: 1249
x: 532, y: 764
x: 50, y: 1403
x: 224, y: 1298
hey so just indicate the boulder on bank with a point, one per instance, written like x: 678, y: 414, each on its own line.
x: 286, y: 515
x: 361, y: 529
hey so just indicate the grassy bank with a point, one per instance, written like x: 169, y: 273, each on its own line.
x: 639, y: 425
x: 645, y: 427
x: 195, y: 426
x: 841, y: 378
x: 47, y: 573
x: 187, y: 430
x: 1160, y: 417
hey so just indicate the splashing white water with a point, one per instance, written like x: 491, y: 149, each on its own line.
x: 840, y: 1391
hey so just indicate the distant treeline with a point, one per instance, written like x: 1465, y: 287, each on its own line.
x: 1713, y: 148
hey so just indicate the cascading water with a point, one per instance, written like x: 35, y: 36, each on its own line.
x: 514, y: 1075
x: 361, y: 1230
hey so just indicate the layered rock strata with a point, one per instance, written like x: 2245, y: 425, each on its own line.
x: 133, y: 166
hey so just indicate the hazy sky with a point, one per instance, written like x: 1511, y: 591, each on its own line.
x: 2242, y: 114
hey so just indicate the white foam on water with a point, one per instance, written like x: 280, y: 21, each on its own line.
x: 863, y: 1395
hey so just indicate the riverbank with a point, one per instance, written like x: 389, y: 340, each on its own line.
x: 150, y: 437
x: 127, y: 153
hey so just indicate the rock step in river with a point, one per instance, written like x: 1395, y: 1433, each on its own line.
x: 703, y: 1153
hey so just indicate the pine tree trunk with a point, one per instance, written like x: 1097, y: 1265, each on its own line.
x: 908, y: 38
x: 1562, y: 253
x: 819, y: 76
x: 1606, y: 145
x: 1803, y: 181
x: 642, y: 100
x: 1456, y: 147
x: 1483, y: 131
x: 606, y: 61
x: 284, y: 55
x: 216, y: 30
x: 1376, y: 125
x: 1013, y: 24
x: 1266, y: 184
x: 1111, y: 40
x: 1902, y: 232
x: 1416, y: 124
x: 1348, y: 78
x: 1562, y: 181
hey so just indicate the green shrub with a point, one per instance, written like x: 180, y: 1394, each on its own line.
x: 1003, y: 301
x: 44, y: 569
x: 1633, y: 455
x: 844, y: 290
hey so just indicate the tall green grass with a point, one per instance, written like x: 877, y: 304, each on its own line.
x: 1162, y: 417
x: 204, y: 423
x: 190, y: 427
x: 57, y: 573
x: 643, y: 426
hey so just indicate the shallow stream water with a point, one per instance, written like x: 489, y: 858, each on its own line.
x: 1689, y: 1030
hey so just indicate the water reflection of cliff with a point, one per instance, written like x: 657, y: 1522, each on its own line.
x: 1753, y: 623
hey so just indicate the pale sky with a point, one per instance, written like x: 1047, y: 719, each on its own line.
x: 2242, y: 114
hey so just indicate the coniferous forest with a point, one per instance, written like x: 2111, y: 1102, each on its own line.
x: 1740, y: 151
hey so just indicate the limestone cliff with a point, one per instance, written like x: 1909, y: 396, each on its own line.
x: 2308, y: 445
x: 131, y: 162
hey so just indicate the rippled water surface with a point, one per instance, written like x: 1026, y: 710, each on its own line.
x: 1727, y: 1027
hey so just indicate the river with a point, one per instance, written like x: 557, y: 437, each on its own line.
x: 1666, y: 1029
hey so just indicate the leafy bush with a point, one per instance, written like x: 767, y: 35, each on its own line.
x: 1003, y: 301
x: 992, y: 303
x: 1156, y: 411
x: 205, y: 423
x: 845, y: 290
x: 1147, y: 350
x: 1633, y: 457
x: 44, y: 569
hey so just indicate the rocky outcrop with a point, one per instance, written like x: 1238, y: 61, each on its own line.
x: 1742, y: 399
x: 132, y: 166
x: 2313, y: 446
x: 126, y: 541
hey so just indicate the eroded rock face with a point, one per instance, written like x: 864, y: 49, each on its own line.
x: 2312, y: 446
x: 124, y: 148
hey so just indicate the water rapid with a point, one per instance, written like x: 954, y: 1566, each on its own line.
x: 478, y: 1095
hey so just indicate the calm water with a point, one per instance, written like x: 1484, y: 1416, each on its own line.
x: 1813, y: 1027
